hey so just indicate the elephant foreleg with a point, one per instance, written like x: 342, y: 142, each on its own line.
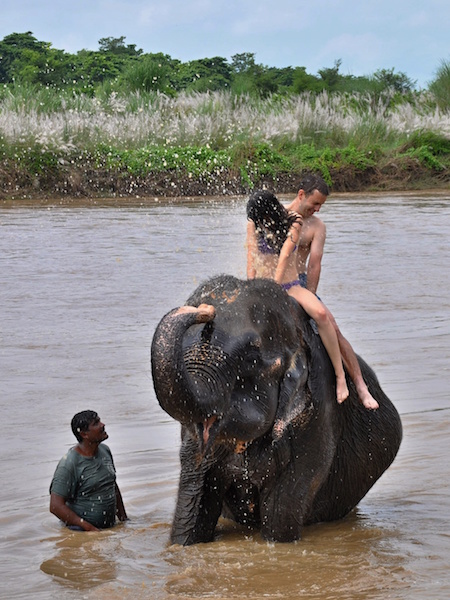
x: 200, y: 497
x: 285, y: 505
x: 281, y: 514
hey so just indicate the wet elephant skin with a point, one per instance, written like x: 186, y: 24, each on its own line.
x: 263, y: 440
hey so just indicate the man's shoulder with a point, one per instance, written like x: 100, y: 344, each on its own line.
x: 68, y: 458
x: 103, y: 450
x: 313, y: 226
x: 316, y: 222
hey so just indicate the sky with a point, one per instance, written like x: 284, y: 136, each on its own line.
x: 409, y: 36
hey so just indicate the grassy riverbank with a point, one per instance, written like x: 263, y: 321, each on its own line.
x: 217, y: 143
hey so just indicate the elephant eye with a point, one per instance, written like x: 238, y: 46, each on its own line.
x: 249, y: 353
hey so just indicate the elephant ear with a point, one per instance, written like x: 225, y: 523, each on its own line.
x: 294, y: 395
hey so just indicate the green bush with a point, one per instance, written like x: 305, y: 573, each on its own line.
x: 440, y: 86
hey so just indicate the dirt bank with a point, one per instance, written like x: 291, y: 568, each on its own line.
x: 88, y: 182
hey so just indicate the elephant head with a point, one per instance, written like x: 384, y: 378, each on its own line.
x: 243, y: 372
x: 218, y: 367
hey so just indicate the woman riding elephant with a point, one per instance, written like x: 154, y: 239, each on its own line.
x: 273, y: 238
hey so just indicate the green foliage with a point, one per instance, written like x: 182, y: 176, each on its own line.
x: 439, y: 145
x: 426, y: 158
x: 331, y: 76
x: 91, y: 68
x: 388, y: 79
x: 32, y: 159
x: 440, y: 86
x: 23, y: 58
x: 307, y: 157
x: 242, y: 85
x: 117, y: 46
x: 243, y: 63
x: 251, y: 160
x: 429, y: 148
x: 142, y: 114
x: 303, y: 82
x: 155, y: 159
x: 148, y: 74
x: 204, y: 74
x: 255, y: 160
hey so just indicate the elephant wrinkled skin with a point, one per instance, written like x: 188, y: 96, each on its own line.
x: 264, y: 441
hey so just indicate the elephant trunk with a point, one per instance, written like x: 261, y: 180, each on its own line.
x: 189, y: 381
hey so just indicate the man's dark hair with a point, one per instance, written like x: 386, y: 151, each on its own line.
x: 81, y: 421
x: 309, y: 183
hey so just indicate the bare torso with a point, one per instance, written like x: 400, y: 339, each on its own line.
x: 309, y: 229
x: 309, y: 242
x: 266, y: 264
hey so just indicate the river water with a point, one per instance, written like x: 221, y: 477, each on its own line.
x: 82, y: 289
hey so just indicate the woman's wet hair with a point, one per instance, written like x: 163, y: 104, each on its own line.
x: 81, y: 421
x: 272, y: 221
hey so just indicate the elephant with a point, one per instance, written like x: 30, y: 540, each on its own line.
x: 263, y: 440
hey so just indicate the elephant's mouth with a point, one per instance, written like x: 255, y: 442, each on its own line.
x: 208, y: 432
x: 207, y: 424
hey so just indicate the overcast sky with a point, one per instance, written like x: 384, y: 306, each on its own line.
x: 411, y: 36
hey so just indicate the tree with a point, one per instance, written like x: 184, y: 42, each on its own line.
x: 243, y: 63
x: 264, y: 81
x: 91, y: 68
x: 399, y: 82
x: 304, y: 82
x: 331, y: 76
x: 117, y: 46
x: 151, y: 72
x: 204, y: 74
x: 15, y: 50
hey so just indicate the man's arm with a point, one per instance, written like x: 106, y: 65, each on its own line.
x: 59, y: 508
x: 120, y: 508
x: 315, y: 257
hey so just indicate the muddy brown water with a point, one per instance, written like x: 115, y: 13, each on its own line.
x: 82, y: 289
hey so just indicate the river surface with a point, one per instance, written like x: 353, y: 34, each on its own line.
x: 82, y: 289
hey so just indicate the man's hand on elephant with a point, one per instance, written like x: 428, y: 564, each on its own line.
x: 205, y: 312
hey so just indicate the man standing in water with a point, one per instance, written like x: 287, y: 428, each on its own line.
x: 312, y: 194
x: 84, y: 493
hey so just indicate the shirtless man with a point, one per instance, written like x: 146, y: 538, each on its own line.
x: 312, y: 194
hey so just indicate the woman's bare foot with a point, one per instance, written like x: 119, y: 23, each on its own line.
x: 367, y: 400
x: 341, y: 389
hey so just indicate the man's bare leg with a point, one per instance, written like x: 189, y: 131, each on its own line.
x: 352, y: 365
x: 354, y: 370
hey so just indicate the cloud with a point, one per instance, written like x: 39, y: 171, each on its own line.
x: 259, y: 21
x: 417, y: 19
x: 360, y: 53
x: 404, y: 34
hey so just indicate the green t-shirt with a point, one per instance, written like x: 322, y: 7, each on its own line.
x: 88, y: 485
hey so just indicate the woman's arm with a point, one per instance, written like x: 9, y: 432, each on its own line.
x: 251, y: 249
x: 286, y: 252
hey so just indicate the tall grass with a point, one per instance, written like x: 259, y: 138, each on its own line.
x: 440, y: 87
x: 66, y: 122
